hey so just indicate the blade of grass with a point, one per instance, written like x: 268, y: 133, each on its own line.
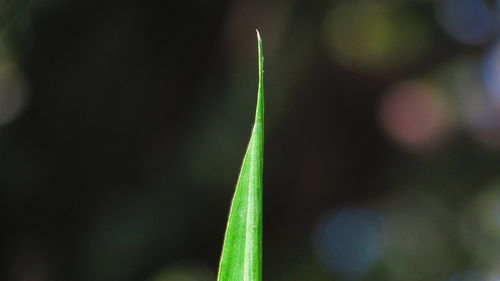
x: 241, y: 258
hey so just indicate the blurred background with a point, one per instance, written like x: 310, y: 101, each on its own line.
x: 123, y: 124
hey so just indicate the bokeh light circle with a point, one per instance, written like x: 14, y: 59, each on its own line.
x: 480, y: 225
x: 373, y: 36
x: 418, y: 244
x: 351, y: 241
x: 415, y: 114
x: 491, y: 73
x: 476, y: 109
x: 466, y: 21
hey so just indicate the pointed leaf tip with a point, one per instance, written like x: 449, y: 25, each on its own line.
x: 241, y: 258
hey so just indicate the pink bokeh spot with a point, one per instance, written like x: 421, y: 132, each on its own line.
x: 414, y: 114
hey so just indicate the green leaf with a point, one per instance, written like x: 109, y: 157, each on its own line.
x: 242, y: 251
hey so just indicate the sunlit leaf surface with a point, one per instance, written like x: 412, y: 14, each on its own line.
x: 242, y: 252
